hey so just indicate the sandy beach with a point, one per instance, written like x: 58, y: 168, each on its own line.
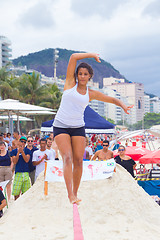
x: 115, y: 208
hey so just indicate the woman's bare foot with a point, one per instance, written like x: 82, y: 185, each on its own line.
x: 73, y: 199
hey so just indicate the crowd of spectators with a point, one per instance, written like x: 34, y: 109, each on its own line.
x: 22, y: 158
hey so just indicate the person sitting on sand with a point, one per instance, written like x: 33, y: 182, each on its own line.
x: 105, y: 153
x: 68, y: 126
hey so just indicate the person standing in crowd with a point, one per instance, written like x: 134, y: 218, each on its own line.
x: 5, y: 139
x: 68, y: 126
x: 15, y: 141
x: 40, y: 156
x: 3, y: 203
x: 86, y: 155
x: 54, y: 146
x: 99, y: 146
x: 21, y: 156
x: 49, y: 147
x: 125, y: 161
x: 2, y: 140
x: 5, y: 168
x: 105, y: 153
x: 88, y: 148
x: 32, y: 148
x: 9, y: 139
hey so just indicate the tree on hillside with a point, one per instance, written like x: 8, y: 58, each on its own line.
x: 110, y: 120
x: 151, y: 119
x: 52, y: 97
x: 30, y: 89
x: 8, y: 84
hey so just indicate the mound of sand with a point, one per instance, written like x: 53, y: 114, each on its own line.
x: 115, y: 209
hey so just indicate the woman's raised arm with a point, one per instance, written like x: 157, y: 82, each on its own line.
x: 70, y: 76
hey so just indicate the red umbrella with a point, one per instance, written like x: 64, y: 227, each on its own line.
x: 152, y: 157
x: 134, y: 152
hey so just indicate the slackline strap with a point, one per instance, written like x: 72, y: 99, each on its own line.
x: 78, y: 234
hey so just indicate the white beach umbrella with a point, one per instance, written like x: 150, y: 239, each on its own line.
x: 12, y: 106
x: 17, y: 106
x: 14, y: 117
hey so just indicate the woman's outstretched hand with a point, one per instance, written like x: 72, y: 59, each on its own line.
x: 128, y: 109
x: 96, y: 57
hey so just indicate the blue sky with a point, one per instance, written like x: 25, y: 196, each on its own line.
x: 125, y: 33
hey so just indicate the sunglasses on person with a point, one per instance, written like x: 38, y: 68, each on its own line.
x: 120, y: 150
x: 22, y: 141
x: 105, y: 145
x: 30, y: 141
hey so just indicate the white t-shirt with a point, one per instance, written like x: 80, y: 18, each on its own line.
x: 89, y: 149
x: 37, y: 155
x: 6, y: 144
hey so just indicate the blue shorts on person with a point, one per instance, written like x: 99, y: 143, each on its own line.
x: 70, y: 131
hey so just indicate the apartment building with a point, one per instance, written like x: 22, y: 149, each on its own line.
x: 5, y: 51
x: 155, y: 105
x: 134, y: 92
x: 146, y: 104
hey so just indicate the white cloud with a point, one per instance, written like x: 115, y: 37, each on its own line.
x: 86, y: 8
x: 153, y: 9
x: 125, y: 32
x: 38, y: 16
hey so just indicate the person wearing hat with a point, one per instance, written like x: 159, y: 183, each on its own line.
x: 20, y: 157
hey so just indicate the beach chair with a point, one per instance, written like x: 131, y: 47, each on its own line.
x: 154, y: 173
x: 142, y: 172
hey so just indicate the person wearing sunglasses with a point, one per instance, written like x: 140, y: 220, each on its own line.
x: 105, y: 153
x: 125, y: 161
x: 32, y: 148
x: 20, y: 157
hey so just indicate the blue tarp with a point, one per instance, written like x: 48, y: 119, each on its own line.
x: 151, y: 187
x: 95, y: 121
x: 48, y: 123
x: 92, y: 121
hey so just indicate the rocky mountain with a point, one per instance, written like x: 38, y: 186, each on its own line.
x: 43, y: 61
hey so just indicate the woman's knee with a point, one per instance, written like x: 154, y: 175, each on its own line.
x: 78, y: 161
x: 67, y: 159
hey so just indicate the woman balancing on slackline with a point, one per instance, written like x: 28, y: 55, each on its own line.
x: 69, y: 131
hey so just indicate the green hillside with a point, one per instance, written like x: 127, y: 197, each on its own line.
x: 43, y: 61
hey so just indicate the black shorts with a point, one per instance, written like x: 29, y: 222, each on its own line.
x: 70, y: 131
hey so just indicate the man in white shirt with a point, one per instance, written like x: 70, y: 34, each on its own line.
x: 49, y: 145
x: 40, y: 156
